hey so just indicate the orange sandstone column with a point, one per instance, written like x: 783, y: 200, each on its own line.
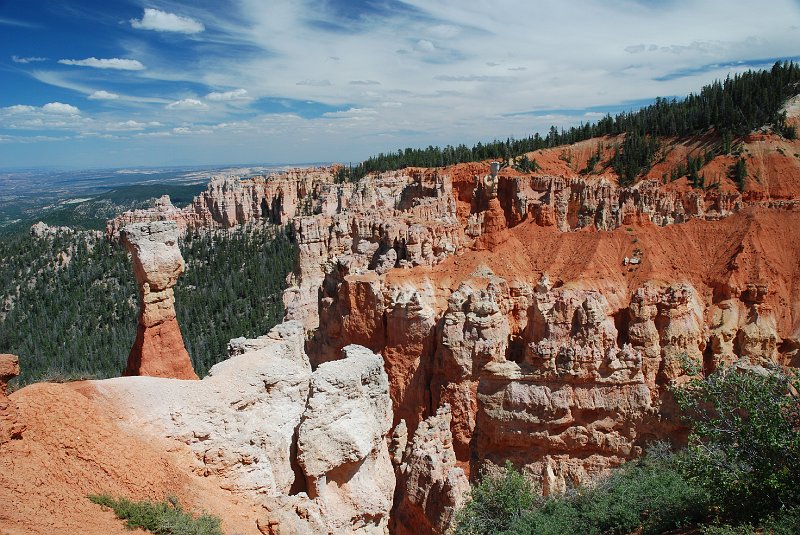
x: 157, y: 262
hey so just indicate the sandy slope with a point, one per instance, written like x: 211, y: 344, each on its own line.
x: 72, y: 448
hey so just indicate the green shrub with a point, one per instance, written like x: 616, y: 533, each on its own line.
x: 650, y: 495
x: 496, y: 503
x: 739, y: 474
x: 744, y: 448
x: 165, y: 518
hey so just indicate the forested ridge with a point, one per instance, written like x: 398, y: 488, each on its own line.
x: 731, y: 107
x: 69, y: 301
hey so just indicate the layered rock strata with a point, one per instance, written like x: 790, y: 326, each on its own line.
x: 309, y: 447
x: 158, y: 349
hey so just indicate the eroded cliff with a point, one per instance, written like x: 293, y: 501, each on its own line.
x: 533, y: 318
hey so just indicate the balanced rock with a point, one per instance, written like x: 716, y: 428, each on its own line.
x: 158, y: 350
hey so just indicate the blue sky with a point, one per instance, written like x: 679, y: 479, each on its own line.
x: 130, y: 83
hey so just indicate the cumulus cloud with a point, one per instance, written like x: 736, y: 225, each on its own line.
x: 131, y: 125
x: 51, y: 116
x: 161, y: 21
x: 352, y: 113
x: 235, y: 94
x: 187, y: 104
x: 19, y: 108
x: 18, y: 59
x: 103, y: 95
x: 110, y: 63
x: 60, y: 108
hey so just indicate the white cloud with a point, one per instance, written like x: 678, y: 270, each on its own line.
x: 17, y: 59
x: 282, y: 53
x: 187, y: 104
x: 60, y: 108
x: 110, y: 63
x: 51, y: 116
x: 235, y: 94
x: 352, y: 113
x: 161, y: 21
x: 103, y: 95
x: 19, y: 108
x: 423, y: 45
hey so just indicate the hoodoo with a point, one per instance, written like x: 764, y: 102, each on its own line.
x: 157, y: 263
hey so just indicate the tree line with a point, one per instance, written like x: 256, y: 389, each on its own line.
x: 731, y: 107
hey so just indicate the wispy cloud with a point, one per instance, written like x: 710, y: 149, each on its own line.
x: 187, y: 104
x: 323, y: 80
x: 161, y: 21
x: 226, y: 96
x: 315, y: 83
x: 103, y: 95
x: 19, y: 23
x: 18, y: 59
x: 110, y: 63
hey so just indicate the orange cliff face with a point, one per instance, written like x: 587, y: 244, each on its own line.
x: 553, y: 324
x: 158, y: 349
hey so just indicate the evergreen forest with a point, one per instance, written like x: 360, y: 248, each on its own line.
x: 68, y: 302
x: 729, y: 108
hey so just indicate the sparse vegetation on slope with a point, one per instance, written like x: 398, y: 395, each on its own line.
x: 165, y: 518
x: 738, y: 475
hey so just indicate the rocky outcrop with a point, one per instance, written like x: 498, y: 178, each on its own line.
x: 431, y: 488
x: 574, y: 203
x: 158, y: 349
x: 473, y: 333
x: 229, y: 201
x: 342, y: 447
x: 309, y: 447
x: 11, y: 427
x: 42, y: 230
x: 399, y: 219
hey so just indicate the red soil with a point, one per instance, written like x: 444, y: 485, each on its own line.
x: 72, y: 448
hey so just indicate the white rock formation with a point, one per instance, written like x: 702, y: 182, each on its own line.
x: 243, y: 422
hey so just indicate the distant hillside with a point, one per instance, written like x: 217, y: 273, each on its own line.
x: 93, y: 213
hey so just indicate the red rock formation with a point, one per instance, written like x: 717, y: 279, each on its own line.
x: 10, y: 425
x: 158, y: 350
x: 550, y: 320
